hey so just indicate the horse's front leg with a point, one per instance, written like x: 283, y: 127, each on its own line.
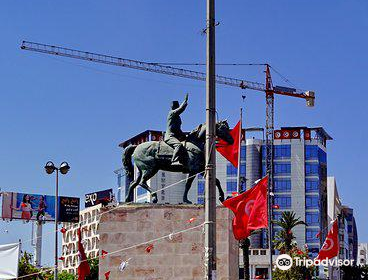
x: 188, y: 185
x: 220, y: 190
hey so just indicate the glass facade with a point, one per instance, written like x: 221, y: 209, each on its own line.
x: 281, y: 185
x: 311, y: 235
x: 231, y: 185
x: 282, y: 168
x: 284, y: 201
x: 282, y: 151
x: 311, y: 168
x: 312, y: 219
x: 312, y: 202
x: 315, y: 167
x: 311, y: 185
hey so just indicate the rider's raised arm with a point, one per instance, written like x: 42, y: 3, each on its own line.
x: 182, y: 106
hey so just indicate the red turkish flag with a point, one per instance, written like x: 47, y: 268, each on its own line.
x: 230, y: 152
x: 250, y: 210
x: 83, y: 268
x: 330, y: 248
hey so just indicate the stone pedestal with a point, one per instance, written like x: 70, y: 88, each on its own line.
x: 180, y: 257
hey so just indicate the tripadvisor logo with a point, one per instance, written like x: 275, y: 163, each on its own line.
x: 285, y: 262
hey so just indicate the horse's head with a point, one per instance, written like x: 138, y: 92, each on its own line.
x: 223, y: 131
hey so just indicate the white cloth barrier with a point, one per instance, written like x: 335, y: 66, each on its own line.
x: 9, y: 256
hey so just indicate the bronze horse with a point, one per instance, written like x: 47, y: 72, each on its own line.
x: 152, y: 156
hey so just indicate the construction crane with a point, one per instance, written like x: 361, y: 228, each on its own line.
x: 267, y: 88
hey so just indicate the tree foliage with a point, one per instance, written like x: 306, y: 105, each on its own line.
x: 295, y: 272
x: 66, y: 276
x: 285, y: 237
x: 285, y: 243
x: 26, y: 267
x: 93, y: 264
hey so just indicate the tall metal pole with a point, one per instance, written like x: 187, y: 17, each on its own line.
x: 239, y: 153
x: 210, y: 187
x: 56, y: 224
x: 244, y: 243
x: 269, y: 154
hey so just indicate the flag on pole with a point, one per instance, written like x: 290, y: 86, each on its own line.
x: 231, y: 152
x: 250, y: 210
x: 83, y: 268
x: 9, y: 257
x: 330, y: 248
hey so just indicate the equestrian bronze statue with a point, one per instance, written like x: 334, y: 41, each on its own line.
x: 188, y: 158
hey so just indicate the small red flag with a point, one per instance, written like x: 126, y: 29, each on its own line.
x: 230, y: 152
x: 149, y: 248
x: 83, y: 268
x: 191, y: 220
x: 250, y: 210
x: 330, y: 248
x: 103, y: 254
x: 107, y: 275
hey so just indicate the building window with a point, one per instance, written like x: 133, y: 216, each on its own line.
x: 282, y: 151
x: 311, y: 169
x: 312, y: 202
x: 264, y: 150
x: 284, y: 201
x: 311, y: 234
x: 311, y: 185
x: 201, y: 187
x: 322, y: 156
x: 243, y: 155
x: 282, y: 168
x: 282, y: 185
x: 350, y: 229
x: 231, y: 186
x: 311, y: 152
x: 242, y: 169
x: 200, y: 200
x: 231, y: 170
x: 312, y: 219
x: 264, y: 169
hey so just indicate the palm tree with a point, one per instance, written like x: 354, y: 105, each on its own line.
x: 284, y: 238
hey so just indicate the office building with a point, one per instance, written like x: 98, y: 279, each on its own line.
x: 300, y: 185
x: 352, y: 232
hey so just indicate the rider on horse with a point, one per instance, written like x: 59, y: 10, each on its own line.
x: 174, y: 134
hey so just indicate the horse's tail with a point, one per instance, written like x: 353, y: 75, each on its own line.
x: 127, y: 161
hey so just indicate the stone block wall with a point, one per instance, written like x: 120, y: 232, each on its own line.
x: 178, y: 257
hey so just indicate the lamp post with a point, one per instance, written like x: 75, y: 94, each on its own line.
x: 50, y: 168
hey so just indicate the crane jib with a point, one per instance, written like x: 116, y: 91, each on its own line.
x: 155, y: 67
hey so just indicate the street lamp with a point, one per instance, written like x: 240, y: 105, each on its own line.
x: 50, y: 168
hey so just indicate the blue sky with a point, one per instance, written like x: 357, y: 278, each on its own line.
x: 60, y: 109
